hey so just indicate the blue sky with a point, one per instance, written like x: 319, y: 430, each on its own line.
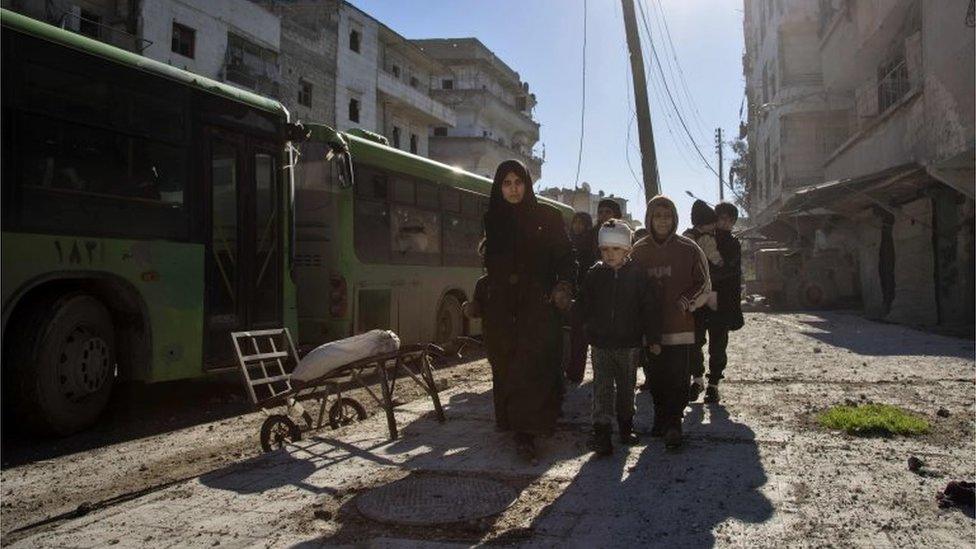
x: 542, y: 40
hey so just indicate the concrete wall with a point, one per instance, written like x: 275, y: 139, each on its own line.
x: 915, y: 301
x: 211, y: 21
x: 309, y: 42
x: 356, y: 72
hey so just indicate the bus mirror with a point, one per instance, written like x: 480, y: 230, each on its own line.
x: 346, y: 177
x: 297, y: 132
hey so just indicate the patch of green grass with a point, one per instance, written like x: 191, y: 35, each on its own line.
x: 873, y: 419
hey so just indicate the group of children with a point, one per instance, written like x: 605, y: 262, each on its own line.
x: 654, y: 300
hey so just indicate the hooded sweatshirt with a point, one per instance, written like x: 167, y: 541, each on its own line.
x: 679, y: 273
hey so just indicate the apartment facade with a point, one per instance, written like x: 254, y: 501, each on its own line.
x: 493, y: 106
x: 383, y: 83
x: 861, y: 150
x: 583, y: 199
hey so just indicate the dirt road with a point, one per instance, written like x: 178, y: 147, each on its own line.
x: 756, y: 471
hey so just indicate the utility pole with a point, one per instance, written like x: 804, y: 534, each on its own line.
x: 644, y: 132
x: 718, y: 147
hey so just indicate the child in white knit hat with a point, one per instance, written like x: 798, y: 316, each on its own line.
x: 619, y: 315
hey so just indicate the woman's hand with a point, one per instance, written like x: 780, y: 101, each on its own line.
x: 562, y: 296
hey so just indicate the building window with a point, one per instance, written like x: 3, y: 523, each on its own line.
x: 414, y: 83
x: 353, y: 109
x: 520, y: 103
x: 893, y: 83
x: 440, y: 131
x: 184, y: 40
x: 304, y: 93
x: 354, y: 39
x: 447, y: 84
x: 90, y: 24
x: 396, y: 137
x: 395, y: 70
x: 414, y: 143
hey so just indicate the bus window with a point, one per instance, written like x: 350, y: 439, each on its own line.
x: 427, y: 196
x: 371, y: 231
x: 370, y: 184
x: 451, y: 200
x: 224, y: 182
x: 461, y: 237
x: 403, y: 190
x: 98, y: 182
x: 415, y: 236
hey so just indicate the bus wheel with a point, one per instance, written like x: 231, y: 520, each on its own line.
x: 450, y: 321
x: 64, y: 364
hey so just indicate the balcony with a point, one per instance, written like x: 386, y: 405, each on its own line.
x: 99, y: 31
x: 396, y: 91
x: 481, y: 154
x: 484, y: 99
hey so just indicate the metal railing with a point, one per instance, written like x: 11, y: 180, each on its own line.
x: 104, y: 33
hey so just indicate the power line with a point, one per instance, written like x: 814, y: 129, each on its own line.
x: 579, y: 158
x: 704, y: 160
x: 690, y: 100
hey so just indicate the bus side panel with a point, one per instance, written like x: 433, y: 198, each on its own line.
x: 167, y: 275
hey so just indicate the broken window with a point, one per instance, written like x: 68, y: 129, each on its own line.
x: 395, y: 70
x: 354, y: 39
x: 440, y: 131
x: 90, y: 24
x: 396, y: 137
x: 414, y: 83
x: 184, y: 40
x: 304, y: 93
x: 520, y: 103
x: 414, y: 143
x: 353, y: 109
x: 447, y: 84
x: 415, y: 236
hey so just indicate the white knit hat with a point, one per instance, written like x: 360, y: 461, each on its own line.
x: 615, y: 233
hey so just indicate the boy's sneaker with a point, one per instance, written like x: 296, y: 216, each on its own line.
x: 672, y: 437
x: 711, y: 394
x: 600, y: 441
x: 693, y: 391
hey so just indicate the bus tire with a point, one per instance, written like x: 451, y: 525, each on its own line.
x: 450, y: 322
x: 64, y: 364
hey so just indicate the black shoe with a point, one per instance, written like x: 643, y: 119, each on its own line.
x: 600, y: 440
x: 711, y: 394
x: 626, y: 427
x: 694, y: 391
x: 673, y: 437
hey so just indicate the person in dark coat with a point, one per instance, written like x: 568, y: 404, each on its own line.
x: 583, y: 245
x: 531, y: 269
x: 727, y: 283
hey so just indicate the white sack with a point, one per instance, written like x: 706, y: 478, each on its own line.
x: 336, y: 354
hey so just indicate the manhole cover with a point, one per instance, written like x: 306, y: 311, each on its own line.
x: 435, y: 500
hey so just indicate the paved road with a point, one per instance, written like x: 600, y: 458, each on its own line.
x: 755, y: 472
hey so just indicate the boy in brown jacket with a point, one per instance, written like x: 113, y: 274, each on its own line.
x: 679, y: 273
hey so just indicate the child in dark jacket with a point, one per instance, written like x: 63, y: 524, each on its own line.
x: 618, y: 313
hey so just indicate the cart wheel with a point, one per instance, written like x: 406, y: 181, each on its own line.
x: 278, y: 430
x: 346, y: 411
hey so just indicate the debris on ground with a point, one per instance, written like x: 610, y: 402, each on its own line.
x: 942, y: 412
x: 914, y: 464
x: 958, y: 493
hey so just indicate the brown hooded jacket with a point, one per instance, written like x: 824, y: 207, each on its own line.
x: 679, y: 272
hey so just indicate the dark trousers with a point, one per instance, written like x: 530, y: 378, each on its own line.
x: 718, y: 341
x: 578, y: 345
x: 669, y: 382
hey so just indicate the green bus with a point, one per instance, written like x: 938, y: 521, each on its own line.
x: 385, y: 239
x: 146, y: 214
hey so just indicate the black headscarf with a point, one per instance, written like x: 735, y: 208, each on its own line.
x: 503, y: 218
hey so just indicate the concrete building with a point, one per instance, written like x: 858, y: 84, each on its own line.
x: 583, y: 199
x: 308, y: 53
x: 861, y: 147
x: 110, y: 21
x: 383, y: 83
x: 493, y: 106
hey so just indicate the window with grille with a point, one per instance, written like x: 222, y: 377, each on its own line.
x: 447, y: 84
x: 893, y: 83
x: 353, y: 110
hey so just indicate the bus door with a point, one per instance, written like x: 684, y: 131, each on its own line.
x: 244, y: 240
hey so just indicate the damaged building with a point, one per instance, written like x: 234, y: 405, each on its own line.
x: 860, y: 132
